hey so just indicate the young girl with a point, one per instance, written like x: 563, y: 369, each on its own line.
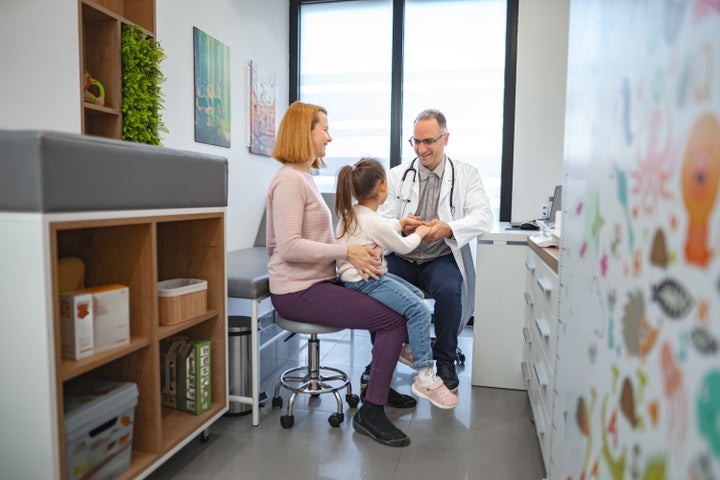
x: 360, y: 224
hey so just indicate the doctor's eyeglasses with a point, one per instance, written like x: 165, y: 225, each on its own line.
x: 415, y: 142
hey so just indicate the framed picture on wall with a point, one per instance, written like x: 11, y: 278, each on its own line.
x: 212, y: 90
x: 262, y: 110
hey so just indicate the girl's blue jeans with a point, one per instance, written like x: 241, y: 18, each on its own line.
x: 407, y: 300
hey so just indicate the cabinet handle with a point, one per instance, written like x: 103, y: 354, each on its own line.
x: 525, y: 372
x: 537, y: 419
x: 526, y: 335
x: 540, y: 375
x: 543, y: 327
x: 544, y: 284
x: 528, y: 299
x: 530, y: 266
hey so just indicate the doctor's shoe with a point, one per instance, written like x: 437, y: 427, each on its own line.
x: 446, y: 371
x: 365, y: 378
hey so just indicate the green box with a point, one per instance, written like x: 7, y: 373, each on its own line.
x: 186, y: 372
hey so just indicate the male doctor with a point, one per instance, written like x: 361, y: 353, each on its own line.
x: 450, y: 197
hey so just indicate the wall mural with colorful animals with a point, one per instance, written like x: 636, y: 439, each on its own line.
x: 637, y: 386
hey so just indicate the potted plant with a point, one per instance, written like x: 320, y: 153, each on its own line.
x: 142, y: 98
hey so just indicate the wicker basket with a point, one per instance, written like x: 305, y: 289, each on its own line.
x: 181, y: 299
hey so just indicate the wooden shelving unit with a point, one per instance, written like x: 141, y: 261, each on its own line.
x: 139, y: 252
x: 100, y: 27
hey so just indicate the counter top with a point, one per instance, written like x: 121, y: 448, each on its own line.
x: 502, y: 232
x: 550, y: 255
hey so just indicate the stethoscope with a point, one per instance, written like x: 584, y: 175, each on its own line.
x: 412, y: 169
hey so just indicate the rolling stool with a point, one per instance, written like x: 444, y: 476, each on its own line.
x: 312, y: 378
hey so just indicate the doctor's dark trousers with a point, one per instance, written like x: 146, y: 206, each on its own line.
x: 442, y: 280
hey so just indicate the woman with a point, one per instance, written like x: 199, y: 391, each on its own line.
x: 303, y: 278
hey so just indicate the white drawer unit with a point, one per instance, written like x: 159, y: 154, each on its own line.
x: 538, y: 333
x: 499, y: 282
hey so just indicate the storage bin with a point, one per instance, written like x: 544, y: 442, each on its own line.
x: 99, y: 417
x: 181, y: 299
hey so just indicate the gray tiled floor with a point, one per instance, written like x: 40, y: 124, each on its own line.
x: 488, y: 436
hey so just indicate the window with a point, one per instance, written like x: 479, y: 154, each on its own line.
x: 449, y: 55
x: 346, y: 62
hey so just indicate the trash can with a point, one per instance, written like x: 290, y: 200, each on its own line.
x: 239, y: 358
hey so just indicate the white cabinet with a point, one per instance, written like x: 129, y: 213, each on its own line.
x: 497, y: 327
x: 539, y: 333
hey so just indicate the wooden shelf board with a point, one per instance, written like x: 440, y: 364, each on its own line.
x: 139, y: 462
x: 169, y: 330
x: 101, y: 109
x: 177, y: 425
x: 70, y: 368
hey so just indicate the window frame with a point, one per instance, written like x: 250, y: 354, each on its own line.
x: 396, y: 108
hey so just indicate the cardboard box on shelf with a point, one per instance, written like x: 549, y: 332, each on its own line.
x: 186, y: 374
x: 111, y: 309
x: 76, y: 325
x: 168, y: 370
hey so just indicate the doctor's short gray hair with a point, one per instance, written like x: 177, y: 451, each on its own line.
x: 430, y: 114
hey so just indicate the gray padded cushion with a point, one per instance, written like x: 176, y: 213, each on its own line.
x: 43, y: 171
x: 247, y: 275
x: 302, y: 327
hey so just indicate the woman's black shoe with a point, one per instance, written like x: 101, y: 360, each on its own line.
x: 382, y: 432
x: 395, y: 399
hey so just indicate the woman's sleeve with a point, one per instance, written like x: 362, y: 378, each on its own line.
x: 300, y: 239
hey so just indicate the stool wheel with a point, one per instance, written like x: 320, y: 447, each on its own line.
x: 336, y: 419
x: 277, y: 402
x: 352, y: 400
x: 287, y: 421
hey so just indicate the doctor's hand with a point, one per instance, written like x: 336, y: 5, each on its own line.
x: 365, y: 260
x: 410, y: 223
x: 438, y: 230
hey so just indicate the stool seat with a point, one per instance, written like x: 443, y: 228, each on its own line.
x: 305, y: 328
x: 312, y: 379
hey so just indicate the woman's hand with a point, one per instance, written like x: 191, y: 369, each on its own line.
x: 365, y: 260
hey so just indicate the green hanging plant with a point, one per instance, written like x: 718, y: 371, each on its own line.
x: 142, y: 98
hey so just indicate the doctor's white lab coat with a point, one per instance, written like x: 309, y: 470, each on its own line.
x: 472, y: 214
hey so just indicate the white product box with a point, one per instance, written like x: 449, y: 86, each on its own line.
x: 76, y: 325
x: 99, y: 417
x: 111, y: 309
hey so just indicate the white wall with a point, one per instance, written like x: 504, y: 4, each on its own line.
x: 39, y: 65
x: 539, y: 104
x: 254, y: 30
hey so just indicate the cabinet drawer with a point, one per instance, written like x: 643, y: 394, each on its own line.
x: 542, y: 324
x: 540, y: 418
x: 543, y: 374
x: 543, y: 284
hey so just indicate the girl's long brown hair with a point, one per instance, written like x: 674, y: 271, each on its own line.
x: 360, y: 181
